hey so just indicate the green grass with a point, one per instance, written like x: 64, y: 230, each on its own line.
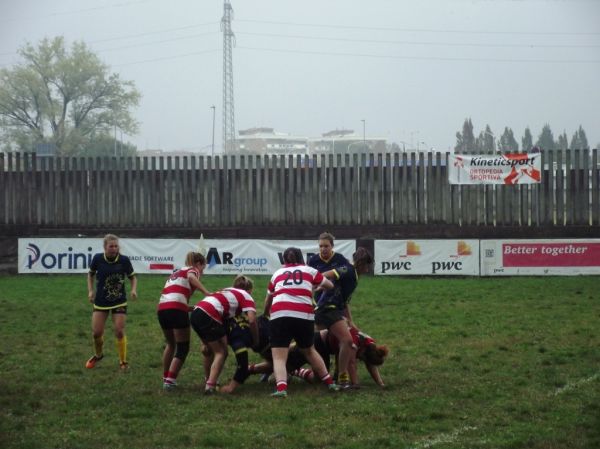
x: 474, y: 363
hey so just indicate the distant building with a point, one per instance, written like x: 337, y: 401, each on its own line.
x: 267, y: 141
x: 163, y: 153
x: 345, y: 141
x: 339, y: 141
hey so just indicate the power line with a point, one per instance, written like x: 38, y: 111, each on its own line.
x: 424, y: 43
x: 149, y: 33
x: 145, y: 44
x: 426, y: 30
x: 75, y: 11
x: 167, y: 30
x: 166, y: 58
x: 428, y: 58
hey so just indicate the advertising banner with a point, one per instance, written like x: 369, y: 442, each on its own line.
x: 227, y: 256
x: 539, y: 257
x: 508, y: 169
x: 427, y: 257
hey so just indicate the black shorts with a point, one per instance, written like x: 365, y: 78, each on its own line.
x: 206, y: 328
x: 285, y: 329
x: 173, y: 319
x: 120, y: 309
x: 325, y: 318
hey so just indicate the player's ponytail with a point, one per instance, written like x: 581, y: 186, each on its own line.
x: 243, y: 283
x: 192, y: 258
x: 362, y: 258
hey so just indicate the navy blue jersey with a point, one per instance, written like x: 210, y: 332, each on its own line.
x: 239, y: 335
x: 322, y: 265
x: 110, y: 282
x: 343, y: 287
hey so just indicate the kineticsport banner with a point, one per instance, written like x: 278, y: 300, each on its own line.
x: 509, y: 169
x: 64, y: 255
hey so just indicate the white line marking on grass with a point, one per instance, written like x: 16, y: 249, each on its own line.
x: 451, y: 437
x: 443, y: 438
x: 572, y: 385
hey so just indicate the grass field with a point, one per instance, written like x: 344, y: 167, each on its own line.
x: 474, y: 363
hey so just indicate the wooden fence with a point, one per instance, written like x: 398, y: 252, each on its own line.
x: 226, y: 191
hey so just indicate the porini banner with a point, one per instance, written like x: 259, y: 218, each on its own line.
x: 507, y: 169
x: 162, y: 256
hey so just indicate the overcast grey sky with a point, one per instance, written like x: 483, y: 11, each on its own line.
x: 413, y: 70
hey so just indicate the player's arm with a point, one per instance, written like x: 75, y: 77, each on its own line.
x: 326, y: 284
x: 268, y: 302
x: 374, y: 372
x: 90, y: 286
x: 133, y: 280
x: 195, y: 282
x: 331, y: 274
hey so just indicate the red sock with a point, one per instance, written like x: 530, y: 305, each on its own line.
x: 327, y: 379
x: 305, y: 373
x: 171, y: 375
x: 282, y: 386
x: 166, y: 374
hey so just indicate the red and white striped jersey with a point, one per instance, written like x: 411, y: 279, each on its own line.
x: 227, y: 303
x: 292, y: 288
x: 360, y: 340
x: 177, y: 290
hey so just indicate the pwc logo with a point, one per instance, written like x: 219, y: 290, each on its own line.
x: 463, y: 249
x: 411, y: 249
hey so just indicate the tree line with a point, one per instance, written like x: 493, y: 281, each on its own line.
x: 65, y: 102
x: 486, y: 142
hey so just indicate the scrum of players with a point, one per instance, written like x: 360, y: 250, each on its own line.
x: 305, y: 325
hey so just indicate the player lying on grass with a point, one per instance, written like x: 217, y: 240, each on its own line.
x: 365, y: 349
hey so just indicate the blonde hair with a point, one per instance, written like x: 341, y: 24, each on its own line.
x: 192, y: 258
x: 109, y: 238
x: 242, y: 282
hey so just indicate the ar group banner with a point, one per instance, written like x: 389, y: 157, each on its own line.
x: 505, y: 169
x: 158, y: 256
